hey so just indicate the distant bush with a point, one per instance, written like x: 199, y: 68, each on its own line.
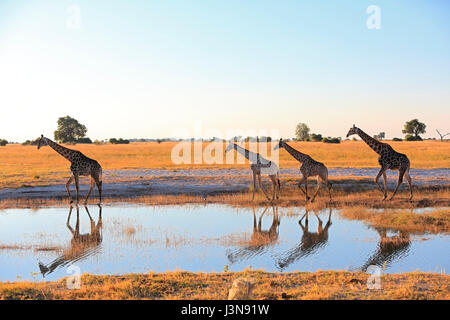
x: 413, y: 138
x: 258, y: 139
x: 331, y: 140
x: 3, y: 142
x: 31, y: 142
x: 84, y: 140
x: 397, y: 139
x: 315, y: 137
x: 119, y: 141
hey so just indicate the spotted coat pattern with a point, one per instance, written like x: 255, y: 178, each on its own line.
x: 309, y: 168
x: 80, y: 166
x: 389, y: 159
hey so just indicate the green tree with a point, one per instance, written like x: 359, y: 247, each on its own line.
x: 414, y: 127
x: 69, y: 130
x: 302, y: 132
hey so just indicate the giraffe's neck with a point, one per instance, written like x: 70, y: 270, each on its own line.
x: 301, y: 157
x: 65, y: 152
x: 251, y: 156
x: 374, y: 144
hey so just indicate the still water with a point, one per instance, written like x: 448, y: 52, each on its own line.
x: 42, y: 244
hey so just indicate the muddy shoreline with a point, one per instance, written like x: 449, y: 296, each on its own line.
x: 139, y: 183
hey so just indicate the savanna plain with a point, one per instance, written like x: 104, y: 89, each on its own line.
x: 278, y: 253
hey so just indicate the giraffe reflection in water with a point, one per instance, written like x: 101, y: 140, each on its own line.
x: 260, y: 239
x: 310, y: 242
x: 389, y: 249
x: 81, y: 245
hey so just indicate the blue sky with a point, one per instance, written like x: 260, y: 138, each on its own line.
x: 151, y: 68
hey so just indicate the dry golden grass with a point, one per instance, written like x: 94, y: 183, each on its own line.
x: 435, y: 221
x: 268, y: 286
x: 25, y: 165
x: 29, y: 247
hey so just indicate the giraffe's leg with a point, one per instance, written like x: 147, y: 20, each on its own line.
x: 99, y: 184
x: 68, y: 190
x: 306, y: 189
x: 92, y: 220
x: 260, y: 222
x: 319, y: 183
x: 254, y: 185
x: 399, y: 182
x: 385, y: 182
x: 88, y: 213
x: 77, y: 186
x: 305, y: 180
x: 329, y: 216
x: 68, y: 218
x: 320, y: 223
x: 72, y: 231
x: 408, y: 178
x: 99, y: 187
x: 382, y: 170
x: 90, y: 190
x: 279, y: 188
x: 306, y: 222
x: 77, y: 224
x: 99, y: 222
x: 300, y: 221
x: 274, y: 186
x: 329, y: 185
x: 261, y: 187
x: 300, y: 184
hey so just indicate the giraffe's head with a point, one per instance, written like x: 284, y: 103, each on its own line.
x: 353, y: 130
x: 41, y: 142
x: 279, y: 145
x: 229, y: 147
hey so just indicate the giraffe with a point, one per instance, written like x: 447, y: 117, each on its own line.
x: 309, y: 168
x: 80, y: 166
x: 389, y: 159
x: 81, y: 245
x: 260, y: 165
x: 310, y: 243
